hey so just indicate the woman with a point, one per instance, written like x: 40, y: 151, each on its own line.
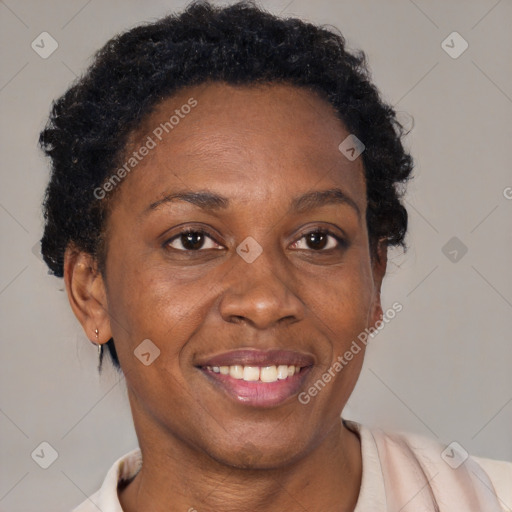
x: 225, y: 186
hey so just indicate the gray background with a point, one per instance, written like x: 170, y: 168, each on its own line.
x: 441, y: 368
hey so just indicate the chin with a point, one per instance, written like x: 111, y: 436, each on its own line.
x: 258, y: 454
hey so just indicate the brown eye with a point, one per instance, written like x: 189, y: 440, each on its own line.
x: 319, y: 240
x: 191, y: 240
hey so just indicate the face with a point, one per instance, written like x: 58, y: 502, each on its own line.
x: 255, y: 269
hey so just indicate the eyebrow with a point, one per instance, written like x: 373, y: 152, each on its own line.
x: 210, y: 201
x: 318, y: 198
x: 203, y: 199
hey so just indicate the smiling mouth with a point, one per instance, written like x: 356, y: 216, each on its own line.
x: 258, y: 378
x: 262, y: 387
x: 265, y: 374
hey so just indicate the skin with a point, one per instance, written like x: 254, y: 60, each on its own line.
x: 260, y: 147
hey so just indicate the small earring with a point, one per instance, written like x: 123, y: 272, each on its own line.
x: 100, y: 346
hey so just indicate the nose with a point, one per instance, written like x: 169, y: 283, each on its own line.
x: 260, y: 294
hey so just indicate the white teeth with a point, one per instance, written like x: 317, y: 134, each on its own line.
x: 251, y: 373
x: 268, y: 374
x: 256, y: 373
x: 237, y: 372
x: 282, y: 372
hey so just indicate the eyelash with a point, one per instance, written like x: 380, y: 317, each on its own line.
x: 342, y: 243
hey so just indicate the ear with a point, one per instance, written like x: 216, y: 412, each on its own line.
x: 379, y: 265
x: 86, y: 293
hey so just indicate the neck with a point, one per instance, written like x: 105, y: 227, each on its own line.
x: 180, y: 478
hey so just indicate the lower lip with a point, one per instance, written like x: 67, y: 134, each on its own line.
x: 257, y: 393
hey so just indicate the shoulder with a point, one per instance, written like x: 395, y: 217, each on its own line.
x: 500, y: 474
x: 106, y: 498
x: 449, y: 471
x: 424, y: 473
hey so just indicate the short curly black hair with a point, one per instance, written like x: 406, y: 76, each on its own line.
x: 239, y: 44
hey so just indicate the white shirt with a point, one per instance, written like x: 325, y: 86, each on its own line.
x: 400, y: 472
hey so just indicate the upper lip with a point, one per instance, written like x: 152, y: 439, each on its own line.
x: 253, y: 357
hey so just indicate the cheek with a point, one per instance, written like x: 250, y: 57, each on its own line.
x: 134, y: 293
x: 341, y: 297
x: 149, y: 300
x: 340, y: 307
x: 147, y: 304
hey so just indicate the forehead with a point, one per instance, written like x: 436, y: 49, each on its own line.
x: 251, y: 142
